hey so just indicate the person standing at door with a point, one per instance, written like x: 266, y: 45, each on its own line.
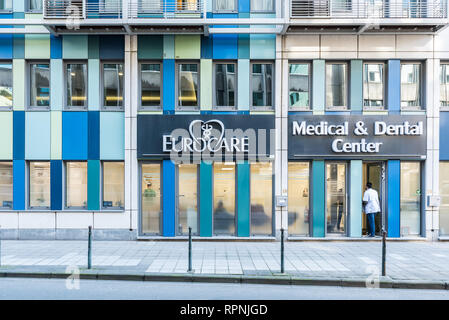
x: 371, y: 206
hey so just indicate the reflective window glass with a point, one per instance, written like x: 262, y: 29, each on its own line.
x: 444, y: 85
x: 444, y: 193
x: 188, y: 85
x: 411, y: 85
x: 299, y: 88
x: 76, y: 85
x: 410, y: 198
x: 336, y: 205
x: 39, y: 184
x: 35, y: 5
x: 298, y: 198
x: 224, y: 198
x: 188, y: 198
x: 113, y: 184
x: 6, y: 184
x: 76, y: 184
x: 6, y: 4
x: 150, y: 85
x: 113, y: 85
x: 39, y: 85
x: 151, y: 198
x: 262, y: 85
x: 261, y: 198
x: 336, y: 85
x: 225, y: 5
x: 6, y: 85
x: 225, y: 85
x: 262, y: 5
x: 373, y: 85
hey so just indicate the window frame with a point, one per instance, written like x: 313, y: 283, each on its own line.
x: 113, y: 208
x: 28, y: 186
x: 76, y: 108
x: 161, y: 89
x: 384, y: 84
x: 215, y: 107
x: 215, y: 10
x: 28, y: 89
x: 65, y: 191
x: 8, y: 108
x: 273, y: 86
x: 3, y: 208
x: 177, y: 84
x: 421, y: 106
x: 443, y: 108
x: 348, y: 83
x: 273, y: 8
x: 29, y: 10
x: 310, y: 74
x: 102, y: 78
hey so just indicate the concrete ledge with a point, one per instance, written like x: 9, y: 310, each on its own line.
x: 385, y: 282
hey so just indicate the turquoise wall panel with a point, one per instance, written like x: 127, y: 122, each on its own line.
x: 243, y: 90
x: 169, y: 46
x: 243, y: 199
x: 94, y: 47
x: 262, y: 46
x: 394, y: 86
x: 206, y: 188
x: 112, y: 136
x: 56, y: 84
x: 168, y: 198
x: 243, y: 46
x: 93, y: 91
x: 19, y: 182
x: 318, y: 85
x: 75, y: 47
x: 355, y: 210
x: 93, y: 185
x: 394, y: 198
x: 37, y: 135
x: 18, y: 50
x: 318, y: 199
x: 356, y: 82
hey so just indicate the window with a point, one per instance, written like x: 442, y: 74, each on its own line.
x: 113, y: 184
x: 35, y: 5
x: 187, y: 198
x: 262, y: 85
x: 410, y: 198
x: 150, y: 85
x: 188, y: 89
x: 113, y: 85
x: 411, y: 86
x: 226, y: 5
x: 298, y: 198
x: 39, y: 184
x: 224, y: 198
x: 336, y: 198
x: 299, y: 86
x: 444, y: 193
x: 76, y: 82
x: 151, y: 198
x: 6, y: 185
x: 373, y: 85
x: 336, y: 86
x: 39, y: 92
x: 444, y: 85
x: 262, y: 5
x: 225, y: 85
x: 6, y: 85
x: 6, y: 5
x: 261, y: 198
x: 188, y: 5
x: 76, y: 185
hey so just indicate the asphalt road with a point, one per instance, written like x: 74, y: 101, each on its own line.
x: 56, y: 289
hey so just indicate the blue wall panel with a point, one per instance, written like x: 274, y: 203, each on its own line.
x: 112, y: 47
x: 444, y: 132
x: 225, y: 46
x: 6, y: 46
x: 94, y: 135
x: 93, y: 184
x: 244, y: 6
x: 56, y: 184
x: 318, y: 198
x: 168, y: 199
x: 206, y: 47
x: 19, y: 135
x: 168, y: 70
x: 18, y: 184
x: 394, y: 197
x: 55, y: 47
x: 394, y: 86
x: 74, y: 135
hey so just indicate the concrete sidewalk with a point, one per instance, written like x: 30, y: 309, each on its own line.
x: 422, y: 264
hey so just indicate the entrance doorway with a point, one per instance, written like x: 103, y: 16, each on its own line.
x: 374, y: 172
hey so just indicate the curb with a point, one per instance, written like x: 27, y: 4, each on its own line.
x: 385, y: 282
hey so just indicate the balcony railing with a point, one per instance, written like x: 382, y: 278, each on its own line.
x: 82, y: 9
x: 166, y: 9
x: 369, y: 9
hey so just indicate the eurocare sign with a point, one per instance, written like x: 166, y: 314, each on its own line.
x: 188, y: 138
x: 357, y: 137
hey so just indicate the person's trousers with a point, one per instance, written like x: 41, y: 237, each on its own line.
x: 371, y: 225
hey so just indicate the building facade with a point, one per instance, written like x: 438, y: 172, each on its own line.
x: 234, y: 118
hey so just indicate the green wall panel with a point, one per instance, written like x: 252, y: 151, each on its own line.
x: 56, y: 84
x: 243, y: 199
x: 150, y: 47
x: 6, y: 134
x: 356, y: 83
x: 37, y: 46
x: 206, y: 188
x: 56, y: 135
x: 93, y: 91
x: 169, y: 46
x: 355, y: 210
x: 243, y: 92
x: 75, y: 47
x: 18, y: 70
x: 37, y: 135
x: 93, y: 184
x: 112, y: 135
x: 206, y: 84
x: 187, y: 46
x: 318, y: 85
x: 318, y: 199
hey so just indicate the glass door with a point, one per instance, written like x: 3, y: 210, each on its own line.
x: 187, y: 198
x: 224, y: 198
x: 410, y: 198
x: 151, y: 198
x: 336, y: 200
x: 376, y: 175
x: 298, y: 198
x: 444, y: 193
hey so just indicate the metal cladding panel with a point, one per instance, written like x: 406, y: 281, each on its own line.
x: 243, y: 199
x: 394, y: 198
